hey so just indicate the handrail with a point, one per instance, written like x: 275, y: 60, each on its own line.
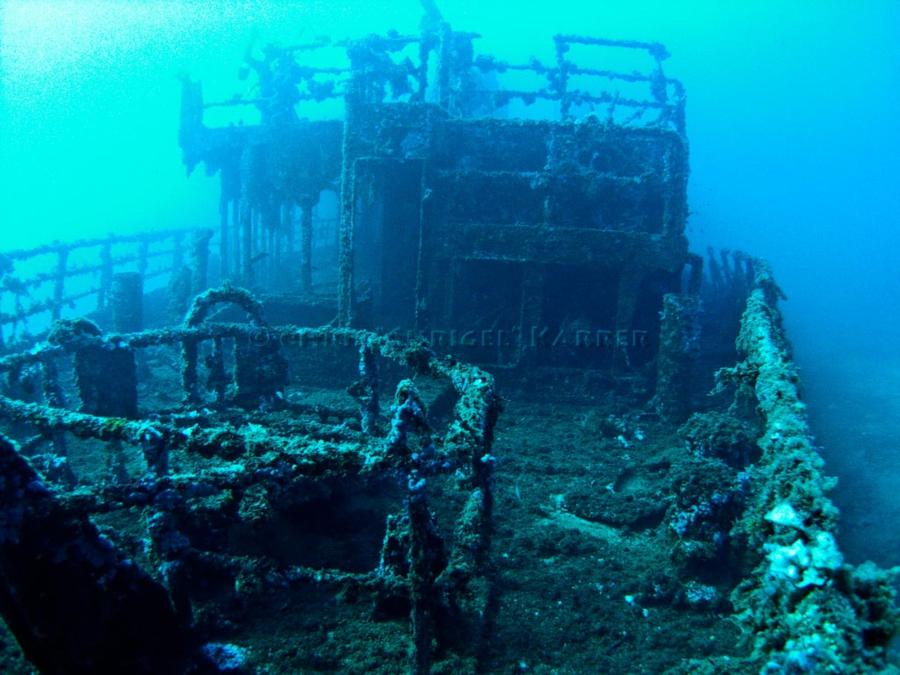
x: 800, y: 589
x: 23, y: 289
x: 272, y: 451
x: 59, y: 246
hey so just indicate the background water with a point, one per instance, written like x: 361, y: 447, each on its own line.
x: 793, y: 118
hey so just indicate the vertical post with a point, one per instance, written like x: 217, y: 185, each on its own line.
x: 366, y: 389
x: 421, y: 315
x: 218, y: 379
x: 106, y: 274
x: 200, y: 260
x: 695, y: 280
x: 287, y: 225
x: 271, y: 232
x: 236, y: 239
x: 223, y: 236
x: 420, y: 574
x: 678, y: 346
x: 106, y: 379
x: 127, y: 302
x: 306, y: 237
x: 247, y: 243
x: 245, y: 221
x: 143, y: 257
x: 156, y: 452
x: 561, y: 85
x: 189, y: 349
x: 409, y: 416
x: 353, y: 100
x: 445, y: 52
x: 59, y: 289
x: 278, y: 238
x: 53, y: 394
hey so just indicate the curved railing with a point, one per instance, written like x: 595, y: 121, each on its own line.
x: 233, y: 449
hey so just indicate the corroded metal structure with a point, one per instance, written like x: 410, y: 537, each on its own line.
x: 54, y: 279
x: 209, y: 467
x: 214, y: 479
x: 457, y: 213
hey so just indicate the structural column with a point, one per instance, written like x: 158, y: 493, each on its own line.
x: 306, y: 238
x: 127, y: 302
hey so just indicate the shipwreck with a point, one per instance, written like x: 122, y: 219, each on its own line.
x: 440, y: 388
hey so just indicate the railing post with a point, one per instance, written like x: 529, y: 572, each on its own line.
x: 143, y: 256
x: 678, y: 347
x: 127, y: 302
x: 365, y: 389
x: 189, y: 353
x: 54, y: 396
x: 562, y: 76
x: 105, y: 374
x: 59, y: 289
x: 106, y: 274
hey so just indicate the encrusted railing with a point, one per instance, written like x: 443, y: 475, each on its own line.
x: 665, y: 95
x: 233, y: 449
x: 52, y: 291
x: 803, y: 608
x: 380, y: 68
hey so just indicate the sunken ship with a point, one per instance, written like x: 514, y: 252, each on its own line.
x: 440, y: 389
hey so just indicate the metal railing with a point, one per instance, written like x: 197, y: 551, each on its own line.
x: 379, y: 69
x: 27, y: 294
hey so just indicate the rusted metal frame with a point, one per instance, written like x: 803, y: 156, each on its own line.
x: 54, y: 396
x: 84, y: 270
x: 335, y: 94
x: 50, y: 304
x: 655, y: 49
x: 365, y: 390
x: 57, y: 246
x: 471, y: 429
x: 157, y: 439
x: 792, y: 470
x: 574, y: 96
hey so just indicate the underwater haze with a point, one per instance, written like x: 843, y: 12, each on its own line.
x: 793, y: 118
x: 793, y: 113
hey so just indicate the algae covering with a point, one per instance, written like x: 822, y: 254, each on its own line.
x: 309, y: 468
x: 623, y: 539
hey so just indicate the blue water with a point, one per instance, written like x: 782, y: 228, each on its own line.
x: 793, y: 113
